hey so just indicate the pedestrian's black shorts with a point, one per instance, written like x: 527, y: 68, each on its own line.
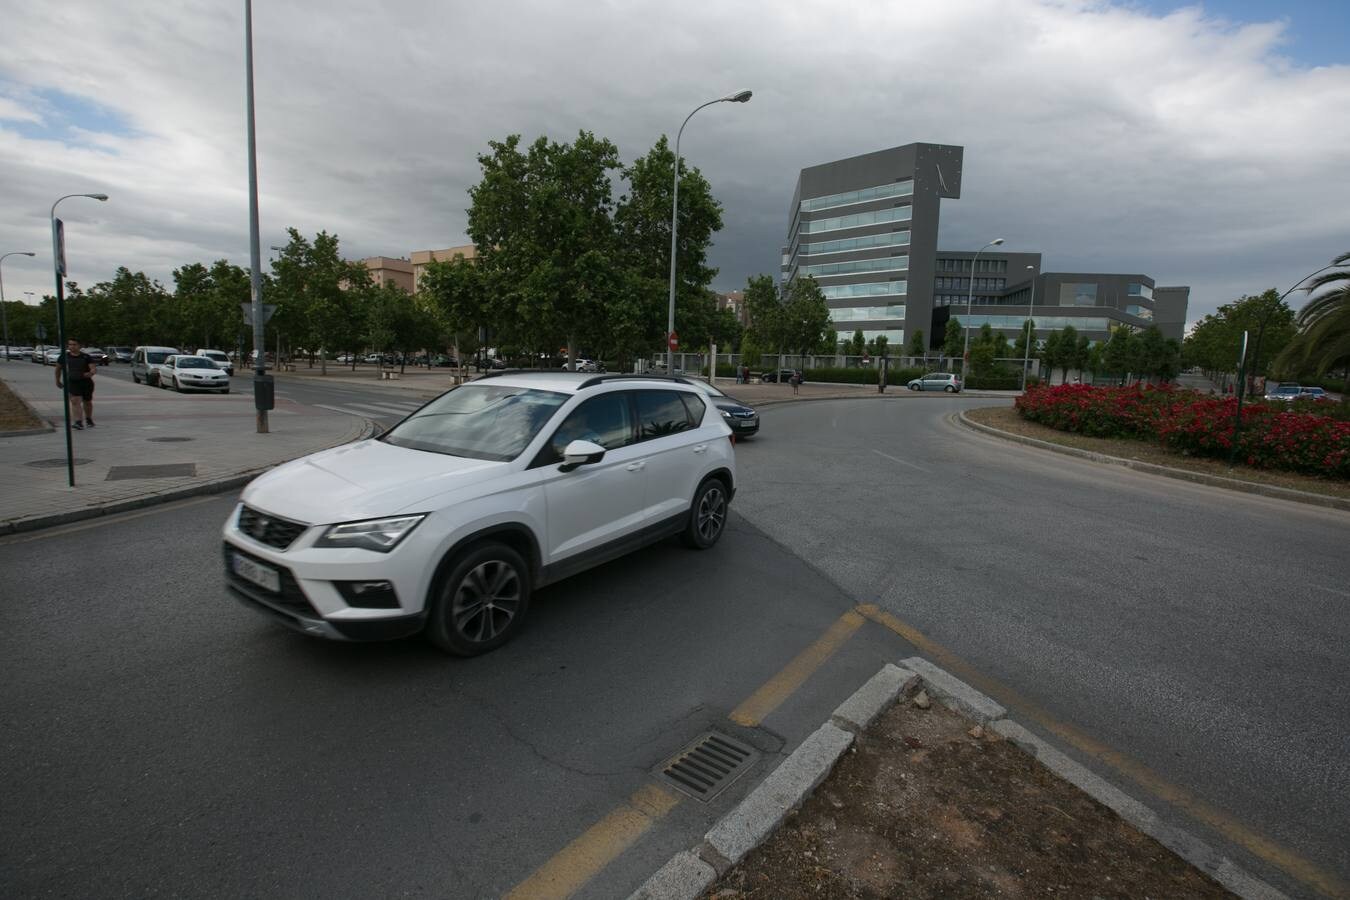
x: 82, y: 388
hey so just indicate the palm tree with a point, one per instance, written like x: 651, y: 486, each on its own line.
x: 1323, y: 339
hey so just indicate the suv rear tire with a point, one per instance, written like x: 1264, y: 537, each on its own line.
x: 480, y: 601
x: 707, y: 515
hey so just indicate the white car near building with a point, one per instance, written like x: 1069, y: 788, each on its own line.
x: 220, y: 359
x: 447, y: 523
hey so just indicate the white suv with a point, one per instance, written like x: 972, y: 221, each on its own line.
x: 448, y: 522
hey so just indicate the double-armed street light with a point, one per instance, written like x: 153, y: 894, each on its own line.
x: 4, y: 318
x: 970, y: 297
x: 59, y: 266
x: 739, y: 97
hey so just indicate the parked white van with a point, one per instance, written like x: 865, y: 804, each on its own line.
x: 145, y: 363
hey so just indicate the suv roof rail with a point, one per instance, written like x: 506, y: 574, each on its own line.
x: 630, y: 376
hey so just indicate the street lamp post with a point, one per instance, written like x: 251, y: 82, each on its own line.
x: 739, y: 97
x: 59, y: 267
x: 970, y: 296
x: 4, y: 317
x: 262, y: 382
x: 1031, y: 332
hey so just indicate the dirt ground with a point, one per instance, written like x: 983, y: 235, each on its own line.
x: 14, y: 416
x: 926, y: 805
x: 1006, y: 418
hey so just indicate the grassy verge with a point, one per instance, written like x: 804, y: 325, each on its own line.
x: 1006, y: 419
x: 14, y: 413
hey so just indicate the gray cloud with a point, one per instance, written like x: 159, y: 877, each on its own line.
x: 1104, y: 137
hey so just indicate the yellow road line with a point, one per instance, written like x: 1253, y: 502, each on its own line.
x: 105, y: 521
x: 582, y: 860
x: 781, y: 686
x: 1306, y: 872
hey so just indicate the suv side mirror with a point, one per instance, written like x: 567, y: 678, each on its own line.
x: 581, y: 453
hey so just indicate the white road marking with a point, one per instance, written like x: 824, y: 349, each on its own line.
x: 902, y: 462
x: 393, y: 410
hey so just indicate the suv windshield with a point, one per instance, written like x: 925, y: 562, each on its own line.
x: 494, y: 422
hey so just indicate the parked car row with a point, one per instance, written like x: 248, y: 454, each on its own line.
x: 1288, y: 393
x: 166, y: 367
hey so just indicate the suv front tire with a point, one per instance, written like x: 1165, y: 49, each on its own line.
x: 481, y: 600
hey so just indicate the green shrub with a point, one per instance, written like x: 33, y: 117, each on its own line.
x: 724, y: 370
x: 861, y: 375
x: 994, y: 382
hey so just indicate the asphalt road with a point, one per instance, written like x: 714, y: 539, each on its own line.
x: 1203, y: 633
x: 158, y: 739
x: 161, y: 740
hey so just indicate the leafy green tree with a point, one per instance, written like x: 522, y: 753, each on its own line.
x: 322, y: 300
x: 543, y: 222
x: 456, y: 291
x: 1052, y: 354
x: 1082, y: 349
x: 878, y: 345
x: 1027, y: 334
x: 143, y: 311
x: 1119, y: 353
x: 806, y: 318
x: 856, y: 344
x: 767, y: 319
x: 1215, y: 342
x: 954, y: 340
x: 918, y: 347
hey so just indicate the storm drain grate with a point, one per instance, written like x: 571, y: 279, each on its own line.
x: 168, y: 440
x: 704, y: 768
x: 168, y: 470
x: 59, y: 462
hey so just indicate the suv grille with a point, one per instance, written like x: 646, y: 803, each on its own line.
x: 290, y: 596
x: 267, y: 529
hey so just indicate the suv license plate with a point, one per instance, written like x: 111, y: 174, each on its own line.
x: 262, y: 576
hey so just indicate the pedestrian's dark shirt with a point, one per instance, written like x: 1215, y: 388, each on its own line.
x: 77, y: 366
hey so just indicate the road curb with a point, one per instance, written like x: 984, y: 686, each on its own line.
x: 214, y: 486
x: 691, y: 872
x: 1236, y: 484
x: 872, y: 395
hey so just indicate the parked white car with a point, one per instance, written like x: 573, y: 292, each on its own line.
x: 191, y: 373
x: 447, y: 523
x: 147, y: 361
x: 220, y: 359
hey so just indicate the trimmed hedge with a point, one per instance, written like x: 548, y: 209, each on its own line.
x: 861, y: 375
x: 994, y: 382
x: 1272, y: 436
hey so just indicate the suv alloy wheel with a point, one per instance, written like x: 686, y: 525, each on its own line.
x: 481, y: 602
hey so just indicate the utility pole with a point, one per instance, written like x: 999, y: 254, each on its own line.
x: 263, y: 396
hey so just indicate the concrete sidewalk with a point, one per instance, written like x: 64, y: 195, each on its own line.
x: 149, y: 446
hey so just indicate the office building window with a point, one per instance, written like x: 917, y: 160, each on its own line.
x: 1078, y: 295
x: 876, y: 217
x: 887, y: 239
x: 865, y: 195
x: 867, y: 313
x: 895, y: 337
x: 869, y: 289
x: 1139, y: 290
x: 1043, y: 323
x: 1142, y: 312
x: 884, y: 264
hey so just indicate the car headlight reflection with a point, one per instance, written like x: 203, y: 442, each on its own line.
x: 380, y: 535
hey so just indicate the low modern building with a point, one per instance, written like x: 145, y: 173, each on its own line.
x: 866, y: 229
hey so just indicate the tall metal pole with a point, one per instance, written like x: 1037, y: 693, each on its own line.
x: 970, y: 296
x: 59, y: 268
x: 740, y: 97
x: 262, y: 387
x: 1031, y: 332
x: 4, y: 317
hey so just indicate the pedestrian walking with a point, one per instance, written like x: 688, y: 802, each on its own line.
x: 78, y: 369
x: 796, y: 380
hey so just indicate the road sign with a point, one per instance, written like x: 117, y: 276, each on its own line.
x: 59, y: 246
x: 40, y: 332
x: 268, y: 309
x: 674, y: 341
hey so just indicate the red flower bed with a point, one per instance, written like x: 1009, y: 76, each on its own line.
x: 1271, y: 437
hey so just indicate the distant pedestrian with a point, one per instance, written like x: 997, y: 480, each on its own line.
x: 78, y: 369
x: 796, y: 381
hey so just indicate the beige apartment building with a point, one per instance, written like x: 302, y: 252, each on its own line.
x: 421, y: 258
x: 388, y: 270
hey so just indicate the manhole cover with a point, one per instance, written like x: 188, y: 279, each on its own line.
x: 55, y: 463
x: 704, y: 768
x: 168, y: 440
x: 169, y: 470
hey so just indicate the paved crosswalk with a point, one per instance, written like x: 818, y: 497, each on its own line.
x: 373, y: 410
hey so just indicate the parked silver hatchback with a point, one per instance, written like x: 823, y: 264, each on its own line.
x: 937, y: 381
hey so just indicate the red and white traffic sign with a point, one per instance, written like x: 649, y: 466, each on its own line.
x: 673, y: 342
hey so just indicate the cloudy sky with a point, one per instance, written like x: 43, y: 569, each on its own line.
x: 1207, y: 146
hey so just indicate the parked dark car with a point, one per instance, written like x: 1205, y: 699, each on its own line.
x: 97, y: 355
x: 782, y: 376
x: 445, y: 362
x: 741, y: 419
x: 119, y: 354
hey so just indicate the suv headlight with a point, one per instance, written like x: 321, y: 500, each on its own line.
x: 380, y: 535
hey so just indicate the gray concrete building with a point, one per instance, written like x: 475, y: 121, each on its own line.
x: 866, y: 229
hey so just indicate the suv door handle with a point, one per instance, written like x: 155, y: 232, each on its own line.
x: 699, y: 448
x: 636, y: 466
